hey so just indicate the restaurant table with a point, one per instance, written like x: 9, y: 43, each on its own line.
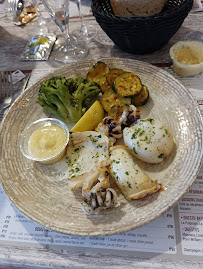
x: 18, y: 254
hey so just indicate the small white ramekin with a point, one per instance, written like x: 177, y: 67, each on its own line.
x: 187, y: 69
x: 25, y: 136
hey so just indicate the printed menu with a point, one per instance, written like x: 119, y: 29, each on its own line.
x: 182, y: 225
x: 158, y: 236
x: 191, y: 218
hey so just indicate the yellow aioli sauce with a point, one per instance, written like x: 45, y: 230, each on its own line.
x: 186, y: 56
x: 47, y: 141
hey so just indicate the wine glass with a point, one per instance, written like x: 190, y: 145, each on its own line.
x: 41, y: 23
x: 86, y: 32
x: 69, y: 51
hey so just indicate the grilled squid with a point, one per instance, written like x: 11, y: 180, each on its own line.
x: 129, y: 116
x: 149, y: 140
x: 85, y: 151
x: 114, y: 127
x: 131, y: 180
x: 110, y: 128
x: 97, y: 193
x: 103, y: 199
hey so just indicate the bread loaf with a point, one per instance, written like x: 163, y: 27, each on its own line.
x: 141, y: 8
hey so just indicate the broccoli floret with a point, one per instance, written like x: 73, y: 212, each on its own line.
x: 68, y: 99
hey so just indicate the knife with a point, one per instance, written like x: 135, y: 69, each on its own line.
x: 21, y: 88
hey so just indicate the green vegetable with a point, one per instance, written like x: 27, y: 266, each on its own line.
x: 98, y: 74
x: 68, y: 99
x: 141, y: 98
x: 127, y: 84
x: 113, y: 73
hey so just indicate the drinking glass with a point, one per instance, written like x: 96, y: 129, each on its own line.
x: 86, y: 32
x: 41, y: 23
x: 69, y: 51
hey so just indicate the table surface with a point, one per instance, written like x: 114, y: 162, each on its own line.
x: 13, y: 40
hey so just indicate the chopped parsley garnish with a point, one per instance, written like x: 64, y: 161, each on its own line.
x: 151, y: 121
x: 129, y: 185
x: 134, y: 150
x: 116, y: 176
x: 68, y: 161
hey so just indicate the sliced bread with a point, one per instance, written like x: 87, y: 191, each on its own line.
x: 142, y: 8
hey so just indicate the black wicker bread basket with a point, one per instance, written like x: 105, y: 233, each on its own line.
x: 140, y: 35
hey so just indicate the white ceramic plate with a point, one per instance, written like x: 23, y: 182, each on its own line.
x: 39, y: 192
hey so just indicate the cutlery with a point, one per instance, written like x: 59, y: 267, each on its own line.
x: 16, y: 7
x: 16, y: 93
x: 21, y: 88
x: 6, y: 89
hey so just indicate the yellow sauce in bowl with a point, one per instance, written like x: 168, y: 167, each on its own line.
x: 186, y: 55
x: 47, y: 141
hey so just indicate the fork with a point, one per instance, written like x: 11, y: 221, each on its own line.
x: 6, y: 90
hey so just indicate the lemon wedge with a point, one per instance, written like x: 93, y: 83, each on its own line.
x: 90, y: 119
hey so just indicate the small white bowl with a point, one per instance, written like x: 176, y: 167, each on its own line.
x: 26, y: 134
x: 183, y: 69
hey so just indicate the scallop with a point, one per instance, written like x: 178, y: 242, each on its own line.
x: 149, y: 140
